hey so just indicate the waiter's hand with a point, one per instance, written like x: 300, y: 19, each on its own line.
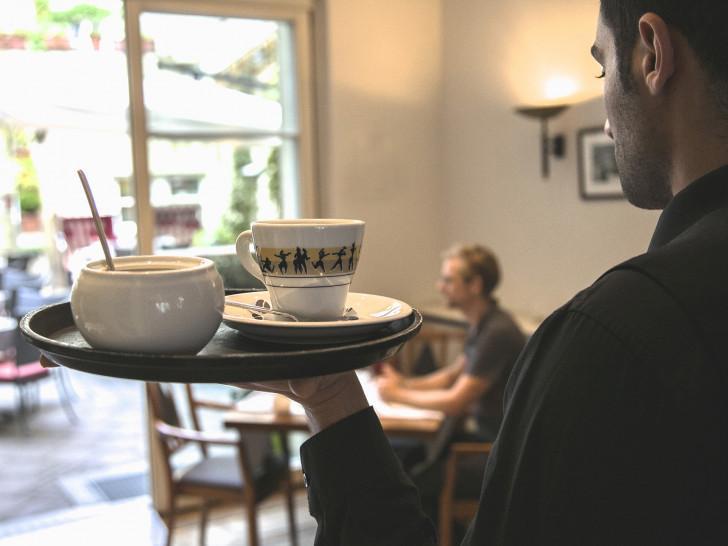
x: 47, y: 363
x: 326, y: 399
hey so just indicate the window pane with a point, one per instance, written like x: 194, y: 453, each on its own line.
x: 63, y: 109
x: 222, y: 146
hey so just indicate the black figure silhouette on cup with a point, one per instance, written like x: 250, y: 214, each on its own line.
x: 351, y: 256
x: 319, y: 264
x: 341, y: 253
x: 266, y: 265
x: 299, y: 260
x: 283, y: 264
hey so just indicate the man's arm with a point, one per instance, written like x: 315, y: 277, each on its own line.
x: 439, y: 379
x: 454, y: 400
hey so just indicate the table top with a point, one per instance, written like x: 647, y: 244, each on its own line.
x: 271, y: 412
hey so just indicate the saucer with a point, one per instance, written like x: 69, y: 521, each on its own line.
x: 374, y: 312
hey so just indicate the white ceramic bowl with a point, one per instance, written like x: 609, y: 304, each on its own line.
x: 149, y: 304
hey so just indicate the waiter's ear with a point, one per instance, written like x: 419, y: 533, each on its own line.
x: 656, y: 56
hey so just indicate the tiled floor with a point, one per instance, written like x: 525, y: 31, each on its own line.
x: 44, y: 476
x: 110, y: 434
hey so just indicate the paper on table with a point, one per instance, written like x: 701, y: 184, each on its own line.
x: 388, y: 409
x: 385, y: 409
x: 382, y: 408
x: 260, y: 402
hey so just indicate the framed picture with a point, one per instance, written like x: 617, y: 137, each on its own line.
x: 598, y: 175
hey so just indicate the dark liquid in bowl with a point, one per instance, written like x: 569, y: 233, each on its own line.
x: 148, y: 268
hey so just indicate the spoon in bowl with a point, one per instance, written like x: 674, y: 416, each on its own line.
x: 97, y: 220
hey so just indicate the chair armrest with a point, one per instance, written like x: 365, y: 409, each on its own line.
x: 214, y: 405
x: 195, y: 435
x: 468, y: 448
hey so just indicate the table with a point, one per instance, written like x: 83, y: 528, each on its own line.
x: 273, y: 413
x: 266, y: 412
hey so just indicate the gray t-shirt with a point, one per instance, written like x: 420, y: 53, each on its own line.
x: 491, y: 350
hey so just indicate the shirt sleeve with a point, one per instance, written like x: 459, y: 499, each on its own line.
x: 357, y: 490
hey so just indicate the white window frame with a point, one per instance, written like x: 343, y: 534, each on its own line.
x: 301, y: 15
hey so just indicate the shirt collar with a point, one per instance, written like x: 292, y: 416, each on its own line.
x: 706, y: 194
x: 486, y: 316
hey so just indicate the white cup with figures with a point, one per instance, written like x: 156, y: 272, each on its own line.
x: 307, y: 265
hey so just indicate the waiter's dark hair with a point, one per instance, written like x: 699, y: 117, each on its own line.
x: 701, y: 22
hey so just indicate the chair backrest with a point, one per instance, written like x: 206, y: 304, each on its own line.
x: 25, y: 299
x: 439, y: 345
x: 164, y: 410
x: 258, y: 445
x: 256, y: 452
x: 8, y: 327
x: 25, y: 353
x: 12, y: 279
x: 437, y: 449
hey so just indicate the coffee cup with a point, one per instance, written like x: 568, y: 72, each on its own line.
x: 149, y: 304
x: 307, y: 265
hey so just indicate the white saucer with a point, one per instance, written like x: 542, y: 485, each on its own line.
x: 374, y: 312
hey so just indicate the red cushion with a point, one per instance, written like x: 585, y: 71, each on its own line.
x: 9, y: 372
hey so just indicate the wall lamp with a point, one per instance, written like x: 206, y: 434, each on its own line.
x: 549, y: 146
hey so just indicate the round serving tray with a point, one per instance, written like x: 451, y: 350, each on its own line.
x: 229, y: 357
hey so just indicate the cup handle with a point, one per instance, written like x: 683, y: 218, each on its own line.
x: 242, y: 249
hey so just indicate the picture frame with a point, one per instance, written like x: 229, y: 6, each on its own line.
x: 598, y: 174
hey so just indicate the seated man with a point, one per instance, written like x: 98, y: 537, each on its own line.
x: 470, y: 390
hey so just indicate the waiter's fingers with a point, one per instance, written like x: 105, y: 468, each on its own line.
x: 47, y: 363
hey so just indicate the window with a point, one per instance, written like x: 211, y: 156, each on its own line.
x: 191, y: 119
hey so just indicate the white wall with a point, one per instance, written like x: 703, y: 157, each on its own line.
x: 382, y: 153
x: 550, y: 241
x: 425, y: 146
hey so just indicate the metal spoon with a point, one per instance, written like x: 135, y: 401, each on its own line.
x: 261, y: 309
x: 349, y: 314
x: 97, y: 220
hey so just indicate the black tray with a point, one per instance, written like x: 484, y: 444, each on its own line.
x: 228, y: 358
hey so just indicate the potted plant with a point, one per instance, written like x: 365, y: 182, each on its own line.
x: 28, y: 195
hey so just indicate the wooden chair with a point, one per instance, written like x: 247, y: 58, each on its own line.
x: 197, y: 405
x: 452, y: 508
x: 443, y: 343
x: 245, y: 478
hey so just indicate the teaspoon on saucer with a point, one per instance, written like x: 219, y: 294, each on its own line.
x: 349, y: 313
x: 261, y: 309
